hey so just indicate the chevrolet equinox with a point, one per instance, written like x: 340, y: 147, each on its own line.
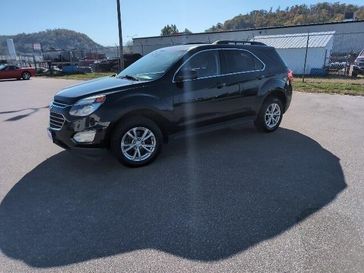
x: 172, y: 90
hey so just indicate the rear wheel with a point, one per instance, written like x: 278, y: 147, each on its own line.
x: 270, y: 115
x: 25, y: 75
x: 136, y: 142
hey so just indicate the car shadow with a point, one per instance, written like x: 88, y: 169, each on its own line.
x: 30, y: 111
x: 206, y: 198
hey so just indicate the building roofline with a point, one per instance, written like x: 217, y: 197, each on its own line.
x: 248, y: 29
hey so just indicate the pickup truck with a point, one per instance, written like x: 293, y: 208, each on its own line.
x: 358, y: 68
x: 15, y: 72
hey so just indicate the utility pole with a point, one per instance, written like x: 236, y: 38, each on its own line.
x: 121, y: 54
x: 304, y: 65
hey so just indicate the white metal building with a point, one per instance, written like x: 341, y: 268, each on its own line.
x: 349, y: 36
x: 292, y: 49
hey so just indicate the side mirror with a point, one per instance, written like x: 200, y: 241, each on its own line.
x: 186, y: 74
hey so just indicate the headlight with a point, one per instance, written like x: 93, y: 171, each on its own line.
x: 87, y: 106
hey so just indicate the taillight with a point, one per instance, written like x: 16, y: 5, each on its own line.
x: 290, y: 75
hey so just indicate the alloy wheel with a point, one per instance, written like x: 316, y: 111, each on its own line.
x: 272, y: 115
x: 26, y: 76
x: 138, y: 144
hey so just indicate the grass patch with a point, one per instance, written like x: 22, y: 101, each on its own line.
x: 88, y: 76
x: 330, y: 86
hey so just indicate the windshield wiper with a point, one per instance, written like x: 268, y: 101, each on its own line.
x: 129, y: 77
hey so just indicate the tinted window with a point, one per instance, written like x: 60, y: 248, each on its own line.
x: 205, y: 63
x: 240, y: 61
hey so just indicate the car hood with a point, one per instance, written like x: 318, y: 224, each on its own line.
x: 70, y: 95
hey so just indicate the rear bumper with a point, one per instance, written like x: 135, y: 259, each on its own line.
x: 288, y: 93
x: 358, y: 69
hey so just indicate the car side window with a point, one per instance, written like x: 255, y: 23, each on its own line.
x: 236, y: 61
x: 205, y: 63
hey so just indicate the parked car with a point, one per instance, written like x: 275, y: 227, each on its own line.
x: 173, y: 90
x: 15, y: 72
x: 358, y: 68
x: 75, y: 69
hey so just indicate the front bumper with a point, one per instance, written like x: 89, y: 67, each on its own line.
x: 65, y: 127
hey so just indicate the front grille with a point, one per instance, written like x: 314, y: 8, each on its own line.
x: 56, y: 121
x: 59, y: 104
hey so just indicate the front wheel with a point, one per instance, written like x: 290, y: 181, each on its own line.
x: 136, y: 142
x: 270, y: 115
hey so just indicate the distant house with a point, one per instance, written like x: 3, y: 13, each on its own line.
x: 292, y: 49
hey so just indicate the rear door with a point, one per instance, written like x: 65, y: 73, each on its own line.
x: 242, y: 71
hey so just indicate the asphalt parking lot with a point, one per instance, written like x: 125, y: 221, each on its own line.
x: 228, y: 201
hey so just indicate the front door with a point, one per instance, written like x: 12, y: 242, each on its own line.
x: 204, y: 98
x: 195, y: 100
x: 6, y: 72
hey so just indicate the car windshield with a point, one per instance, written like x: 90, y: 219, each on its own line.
x: 153, y: 65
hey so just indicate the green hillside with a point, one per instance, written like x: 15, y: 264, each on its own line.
x: 294, y: 15
x: 57, y: 38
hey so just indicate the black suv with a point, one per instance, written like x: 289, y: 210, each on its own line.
x: 172, y: 90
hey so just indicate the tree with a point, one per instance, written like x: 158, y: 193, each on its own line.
x: 128, y: 47
x: 294, y: 15
x: 187, y: 31
x: 169, y: 30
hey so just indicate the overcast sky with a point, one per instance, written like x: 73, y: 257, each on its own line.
x: 97, y: 18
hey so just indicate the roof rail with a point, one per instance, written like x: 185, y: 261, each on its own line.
x: 229, y: 42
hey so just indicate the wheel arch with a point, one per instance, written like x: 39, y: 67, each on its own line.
x: 277, y: 93
x: 153, y: 115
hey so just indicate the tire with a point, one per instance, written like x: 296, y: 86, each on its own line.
x: 25, y: 75
x: 270, y: 115
x: 128, y: 145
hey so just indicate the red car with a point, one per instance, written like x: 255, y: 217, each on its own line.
x: 13, y: 71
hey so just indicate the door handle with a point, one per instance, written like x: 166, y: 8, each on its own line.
x: 260, y: 77
x: 221, y: 85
